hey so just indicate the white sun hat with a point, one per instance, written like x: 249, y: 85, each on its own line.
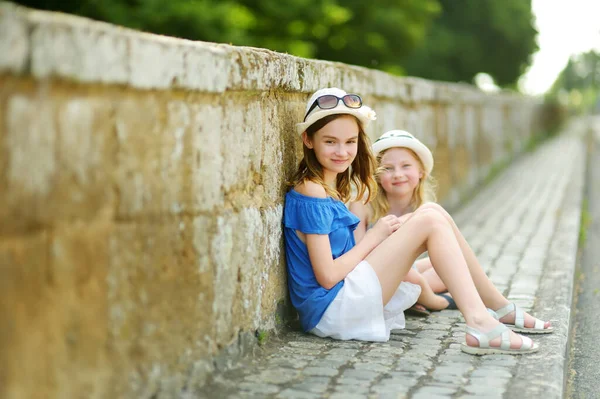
x: 403, y: 139
x: 364, y: 113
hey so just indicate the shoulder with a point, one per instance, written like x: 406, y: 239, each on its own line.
x: 361, y: 210
x: 311, y: 189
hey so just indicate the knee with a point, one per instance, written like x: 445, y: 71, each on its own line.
x: 432, y: 218
x: 437, y: 208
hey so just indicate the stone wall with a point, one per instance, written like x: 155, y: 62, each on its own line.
x: 142, y: 180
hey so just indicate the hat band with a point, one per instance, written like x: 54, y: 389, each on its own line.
x: 394, y: 137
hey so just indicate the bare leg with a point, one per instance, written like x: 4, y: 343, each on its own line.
x: 426, y: 269
x: 427, y: 297
x: 429, y: 230
x: 488, y: 292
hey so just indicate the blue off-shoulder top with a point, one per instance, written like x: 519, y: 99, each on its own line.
x: 311, y: 215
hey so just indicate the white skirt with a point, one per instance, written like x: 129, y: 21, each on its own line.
x: 357, y: 312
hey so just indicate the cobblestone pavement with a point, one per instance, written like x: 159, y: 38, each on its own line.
x: 524, y: 228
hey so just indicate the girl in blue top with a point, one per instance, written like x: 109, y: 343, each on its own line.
x: 346, y: 290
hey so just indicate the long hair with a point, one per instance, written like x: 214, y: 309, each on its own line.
x: 424, y: 192
x: 359, y: 174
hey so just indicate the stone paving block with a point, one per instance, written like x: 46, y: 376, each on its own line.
x: 287, y: 363
x: 312, y: 384
x: 439, y: 326
x: 320, y: 371
x: 385, y: 351
x: 258, y: 388
x: 390, y: 390
x: 482, y: 381
x: 365, y: 375
x: 435, y: 334
x: 432, y: 392
x: 278, y: 376
x: 346, y: 395
x: 353, y: 389
x: 499, y: 360
x: 307, y: 344
x: 495, y: 387
x: 422, y: 352
x: 296, y: 394
x: 379, y: 368
x: 426, y: 341
x: 491, y: 395
x: 326, y: 363
x: 345, y: 352
x: 389, y: 395
x: 352, y: 381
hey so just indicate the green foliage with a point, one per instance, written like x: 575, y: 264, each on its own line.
x: 397, y: 36
x: 262, y: 336
x: 472, y: 36
x: 578, y: 85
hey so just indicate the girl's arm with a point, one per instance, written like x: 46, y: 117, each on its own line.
x: 328, y: 271
x: 362, y: 212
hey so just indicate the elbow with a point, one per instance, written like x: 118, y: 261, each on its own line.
x: 327, y: 282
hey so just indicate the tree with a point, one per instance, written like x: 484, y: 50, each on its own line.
x: 472, y: 36
x: 449, y: 40
x: 578, y: 84
x: 374, y: 34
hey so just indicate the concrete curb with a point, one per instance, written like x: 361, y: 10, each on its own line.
x: 545, y: 373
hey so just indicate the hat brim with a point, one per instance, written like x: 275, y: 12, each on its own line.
x: 405, y: 142
x: 339, y: 109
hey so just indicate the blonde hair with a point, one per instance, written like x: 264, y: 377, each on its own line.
x: 424, y: 192
x: 360, y: 173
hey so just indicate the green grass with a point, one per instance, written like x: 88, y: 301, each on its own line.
x: 586, y: 220
x: 262, y: 336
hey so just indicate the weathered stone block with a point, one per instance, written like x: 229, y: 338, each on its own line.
x: 154, y: 156
x: 26, y: 308
x: 241, y: 141
x: 85, y: 155
x: 28, y: 161
x: 207, y: 158
x: 76, y: 48
x: 14, y: 43
x: 78, y: 260
x: 158, y: 324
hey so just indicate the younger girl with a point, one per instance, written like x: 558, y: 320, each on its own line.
x: 354, y: 291
x: 400, y: 191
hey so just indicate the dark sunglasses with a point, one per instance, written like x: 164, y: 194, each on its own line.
x: 330, y: 101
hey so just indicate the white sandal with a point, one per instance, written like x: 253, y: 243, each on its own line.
x: 519, y: 325
x: 484, y: 348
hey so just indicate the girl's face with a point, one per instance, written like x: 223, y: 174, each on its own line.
x: 401, y: 172
x: 335, y: 146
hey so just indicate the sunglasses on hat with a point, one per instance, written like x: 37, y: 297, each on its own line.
x: 330, y: 101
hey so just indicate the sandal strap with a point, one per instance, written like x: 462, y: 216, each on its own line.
x: 499, y: 331
x: 539, y: 324
x: 484, y: 338
x: 519, y: 314
x: 526, y: 342
x: 505, y: 310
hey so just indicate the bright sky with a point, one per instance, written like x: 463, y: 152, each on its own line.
x: 565, y: 27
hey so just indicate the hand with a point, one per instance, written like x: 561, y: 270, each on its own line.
x: 385, y: 227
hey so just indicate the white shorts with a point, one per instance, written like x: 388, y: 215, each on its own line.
x: 357, y: 312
